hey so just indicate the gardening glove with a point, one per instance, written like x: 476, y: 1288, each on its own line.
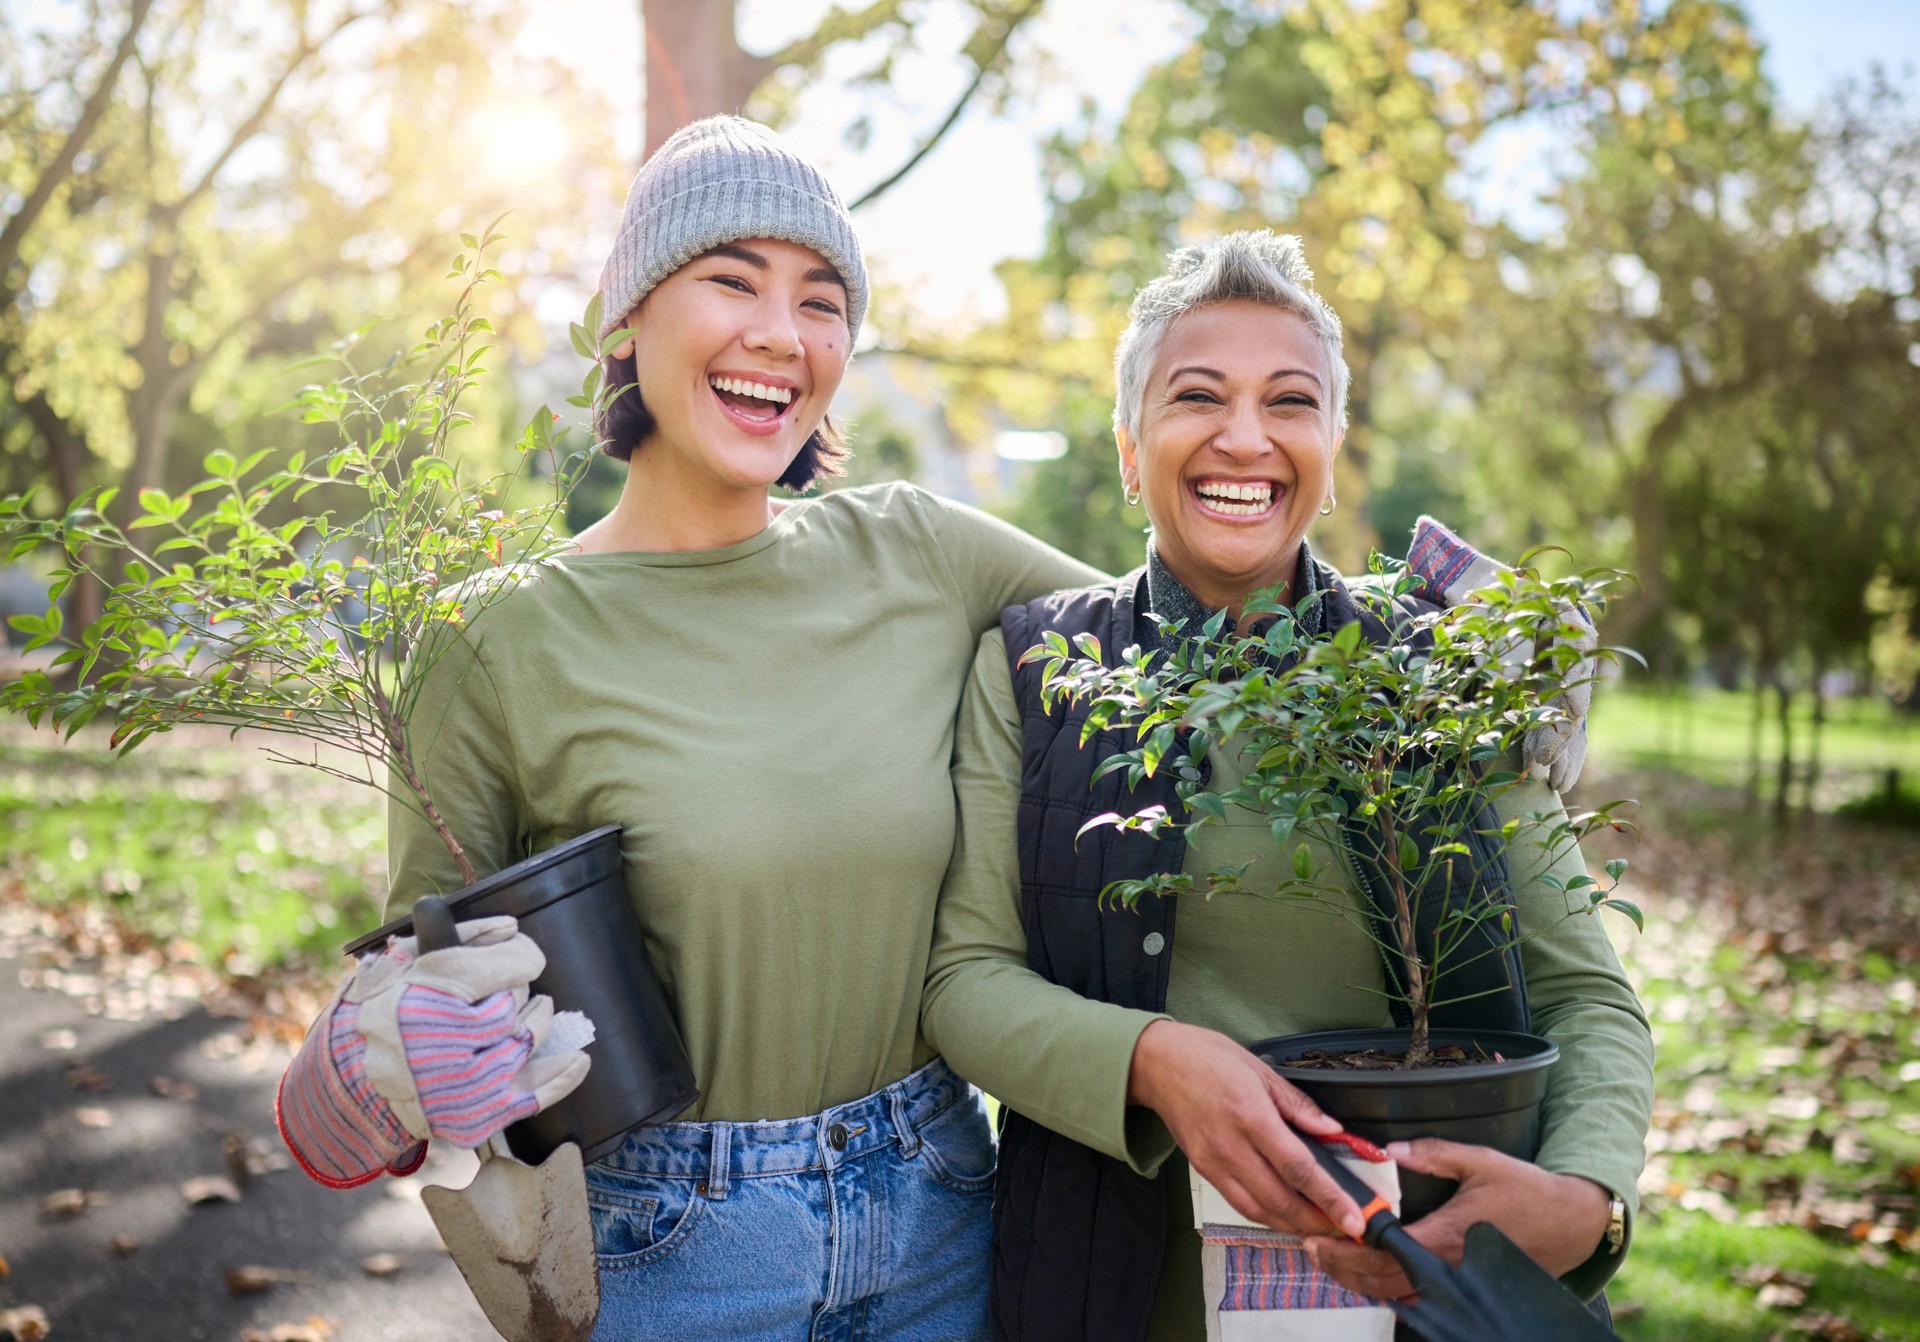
x: 1451, y: 571
x: 448, y: 1045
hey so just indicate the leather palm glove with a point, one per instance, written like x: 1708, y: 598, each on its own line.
x: 447, y: 1045
x: 1452, y: 571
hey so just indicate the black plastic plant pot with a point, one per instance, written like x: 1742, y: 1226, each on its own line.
x: 1491, y: 1103
x: 572, y: 901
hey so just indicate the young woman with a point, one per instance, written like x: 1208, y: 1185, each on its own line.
x: 762, y: 693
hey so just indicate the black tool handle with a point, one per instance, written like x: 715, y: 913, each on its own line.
x: 1372, y: 1206
x: 1383, y: 1230
x: 433, y: 925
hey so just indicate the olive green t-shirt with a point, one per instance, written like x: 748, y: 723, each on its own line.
x: 1251, y: 967
x: 772, y: 723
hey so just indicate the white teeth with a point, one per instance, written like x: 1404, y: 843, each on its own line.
x: 1236, y: 500
x: 741, y: 387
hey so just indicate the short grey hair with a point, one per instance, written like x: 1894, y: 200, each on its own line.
x: 1261, y: 266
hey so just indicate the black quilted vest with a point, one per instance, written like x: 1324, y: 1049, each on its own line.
x: 1078, y: 1236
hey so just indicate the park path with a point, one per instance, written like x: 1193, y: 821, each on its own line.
x: 127, y: 1112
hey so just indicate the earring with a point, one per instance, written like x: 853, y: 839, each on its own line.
x: 1133, y: 497
x: 1326, y: 509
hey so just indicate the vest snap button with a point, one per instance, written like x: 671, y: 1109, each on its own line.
x: 1154, y: 944
x: 837, y: 1136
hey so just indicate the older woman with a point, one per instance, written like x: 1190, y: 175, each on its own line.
x: 1119, y: 1049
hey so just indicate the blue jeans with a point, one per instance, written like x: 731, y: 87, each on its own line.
x: 869, y: 1221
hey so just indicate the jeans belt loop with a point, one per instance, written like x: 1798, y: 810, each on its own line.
x: 717, y: 1162
x: 903, y: 1128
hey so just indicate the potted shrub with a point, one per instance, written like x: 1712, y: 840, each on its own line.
x: 1394, y: 749
x: 227, y: 605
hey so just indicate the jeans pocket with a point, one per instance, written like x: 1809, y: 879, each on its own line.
x: 637, y: 1218
x: 957, y: 1144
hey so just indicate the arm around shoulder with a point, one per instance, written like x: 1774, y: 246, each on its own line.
x: 1039, y: 1048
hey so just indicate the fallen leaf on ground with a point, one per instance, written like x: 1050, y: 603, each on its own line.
x: 252, y: 1280
x: 6, y: 1268
x: 1767, y: 1274
x: 1779, y: 1295
x: 92, y: 1116
x: 24, y: 1323
x: 64, y: 1202
x: 123, y: 1246
x: 169, y: 1089
x: 85, y: 1076
x: 315, y: 1329
x: 382, y: 1264
x: 210, y: 1188
x: 1850, y: 1150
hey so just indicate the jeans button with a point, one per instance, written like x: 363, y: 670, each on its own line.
x: 837, y: 1136
x: 1154, y: 943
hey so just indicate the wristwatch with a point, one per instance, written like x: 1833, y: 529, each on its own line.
x: 1616, y: 1225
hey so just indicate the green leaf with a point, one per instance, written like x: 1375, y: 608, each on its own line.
x: 1409, y: 850
x: 1303, y: 862
x: 1208, y: 804
x: 1616, y: 867
x: 1632, y: 911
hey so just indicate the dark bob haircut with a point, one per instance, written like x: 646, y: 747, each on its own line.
x: 625, y: 423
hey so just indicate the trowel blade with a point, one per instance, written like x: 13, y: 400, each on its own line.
x: 522, y: 1237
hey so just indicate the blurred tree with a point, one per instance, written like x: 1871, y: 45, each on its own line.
x: 1353, y: 125
x: 243, y: 186
x: 696, y: 67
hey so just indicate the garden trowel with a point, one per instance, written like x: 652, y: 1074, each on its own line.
x: 1497, y: 1294
x: 520, y: 1234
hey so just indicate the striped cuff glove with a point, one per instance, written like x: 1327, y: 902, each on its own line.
x: 324, y: 1113
x: 1451, y: 571
x: 445, y: 1045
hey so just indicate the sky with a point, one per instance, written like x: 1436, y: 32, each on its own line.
x: 977, y: 200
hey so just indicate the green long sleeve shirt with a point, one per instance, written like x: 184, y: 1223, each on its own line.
x: 772, y: 723
x: 1250, y: 967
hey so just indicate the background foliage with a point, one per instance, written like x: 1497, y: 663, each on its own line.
x: 1692, y: 356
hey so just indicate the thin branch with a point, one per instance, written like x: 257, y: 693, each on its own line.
x: 57, y: 171
x: 840, y: 25
x: 985, y: 67
x: 252, y: 126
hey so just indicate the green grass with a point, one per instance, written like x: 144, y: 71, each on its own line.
x: 1785, y: 1047
x: 1708, y: 734
x: 194, y: 837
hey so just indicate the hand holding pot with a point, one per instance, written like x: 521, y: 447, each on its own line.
x: 1234, y: 1120
x: 416, y: 1046
x: 1558, y: 1219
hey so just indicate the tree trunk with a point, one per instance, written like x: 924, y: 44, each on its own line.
x: 1811, y: 781
x: 1782, y: 797
x: 1762, y: 678
x: 694, y: 64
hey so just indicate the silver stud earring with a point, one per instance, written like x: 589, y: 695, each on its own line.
x: 1326, y: 509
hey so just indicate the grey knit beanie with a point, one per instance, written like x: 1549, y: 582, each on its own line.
x: 716, y: 181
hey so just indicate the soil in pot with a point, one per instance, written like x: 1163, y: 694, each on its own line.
x: 572, y: 900
x: 1490, y: 1094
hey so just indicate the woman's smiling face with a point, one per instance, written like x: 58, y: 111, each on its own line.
x: 1236, y: 447
x: 738, y: 354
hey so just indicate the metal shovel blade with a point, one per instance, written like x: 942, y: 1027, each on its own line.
x: 1497, y: 1294
x: 522, y: 1237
